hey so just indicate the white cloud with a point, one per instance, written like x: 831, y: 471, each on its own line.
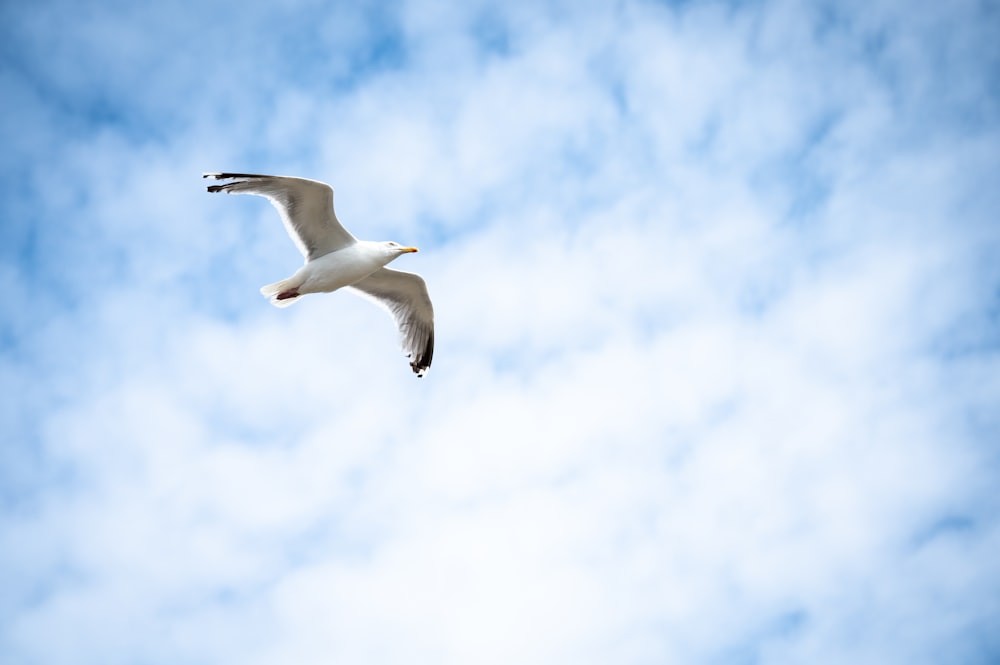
x: 716, y: 321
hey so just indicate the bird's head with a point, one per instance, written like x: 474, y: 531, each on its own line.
x: 395, y: 249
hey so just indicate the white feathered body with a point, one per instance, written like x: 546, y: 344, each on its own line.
x: 332, y: 271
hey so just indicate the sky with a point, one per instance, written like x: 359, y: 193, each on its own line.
x: 717, y: 299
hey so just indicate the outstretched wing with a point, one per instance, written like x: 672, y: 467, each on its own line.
x: 305, y: 206
x: 405, y: 296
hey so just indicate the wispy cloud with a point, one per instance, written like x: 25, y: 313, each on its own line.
x: 716, y: 299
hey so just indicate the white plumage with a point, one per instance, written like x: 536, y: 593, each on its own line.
x: 335, y: 259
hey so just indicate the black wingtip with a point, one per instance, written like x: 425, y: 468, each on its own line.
x: 422, y: 362
x: 228, y: 176
x: 225, y: 176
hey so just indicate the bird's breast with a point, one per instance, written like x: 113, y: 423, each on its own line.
x: 339, y: 269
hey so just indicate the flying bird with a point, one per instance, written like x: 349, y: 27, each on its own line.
x: 335, y: 259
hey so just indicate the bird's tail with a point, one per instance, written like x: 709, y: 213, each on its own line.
x: 283, y: 293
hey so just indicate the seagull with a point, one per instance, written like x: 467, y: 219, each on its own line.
x: 335, y: 259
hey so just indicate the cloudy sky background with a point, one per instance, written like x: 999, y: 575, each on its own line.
x: 718, y: 318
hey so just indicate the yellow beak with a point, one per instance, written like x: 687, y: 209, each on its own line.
x: 409, y: 249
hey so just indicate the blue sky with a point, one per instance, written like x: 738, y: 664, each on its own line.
x: 717, y: 293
